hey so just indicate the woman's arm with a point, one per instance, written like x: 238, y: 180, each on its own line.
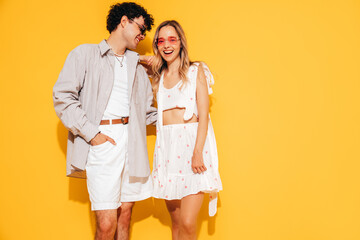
x: 202, y: 102
x: 146, y: 62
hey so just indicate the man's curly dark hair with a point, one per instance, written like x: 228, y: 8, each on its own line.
x: 129, y: 9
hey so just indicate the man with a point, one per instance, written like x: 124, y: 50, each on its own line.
x: 103, y: 97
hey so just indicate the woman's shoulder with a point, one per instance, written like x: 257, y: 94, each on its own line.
x: 205, y: 73
x: 194, y: 67
x: 198, y: 64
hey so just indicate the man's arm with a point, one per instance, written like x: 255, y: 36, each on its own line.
x: 66, y: 97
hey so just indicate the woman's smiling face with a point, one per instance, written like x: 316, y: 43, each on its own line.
x: 168, y: 44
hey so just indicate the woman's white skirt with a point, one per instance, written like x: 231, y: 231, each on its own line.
x: 172, y: 173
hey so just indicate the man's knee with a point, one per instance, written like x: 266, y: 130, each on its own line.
x: 125, y: 213
x: 106, y: 225
x: 106, y: 221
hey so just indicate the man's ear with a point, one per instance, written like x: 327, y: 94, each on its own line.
x: 124, y: 20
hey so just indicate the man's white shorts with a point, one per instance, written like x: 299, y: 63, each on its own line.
x: 108, y: 180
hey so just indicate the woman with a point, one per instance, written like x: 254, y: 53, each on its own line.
x: 185, y: 157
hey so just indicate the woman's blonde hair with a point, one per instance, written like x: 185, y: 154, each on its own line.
x: 159, y: 64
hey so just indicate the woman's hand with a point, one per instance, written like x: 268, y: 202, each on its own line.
x: 197, y: 162
x: 148, y: 60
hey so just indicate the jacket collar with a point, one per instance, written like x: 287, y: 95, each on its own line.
x: 104, y: 48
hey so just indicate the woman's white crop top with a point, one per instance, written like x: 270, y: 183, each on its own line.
x: 184, y: 96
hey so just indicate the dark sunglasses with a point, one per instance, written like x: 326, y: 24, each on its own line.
x: 141, y: 27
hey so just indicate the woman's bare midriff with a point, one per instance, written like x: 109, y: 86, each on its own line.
x: 176, y: 116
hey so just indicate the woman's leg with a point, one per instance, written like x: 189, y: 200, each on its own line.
x: 173, y: 207
x: 189, y: 210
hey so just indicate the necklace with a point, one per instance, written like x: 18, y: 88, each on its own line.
x: 117, y: 55
x: 117, y: 58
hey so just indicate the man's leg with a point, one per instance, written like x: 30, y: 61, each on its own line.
x: 105, y: 224
x: 123, y: 220
x: 133, y: 189
x: 104, y: 166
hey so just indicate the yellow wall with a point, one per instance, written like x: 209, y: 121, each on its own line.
x: 285, y: 110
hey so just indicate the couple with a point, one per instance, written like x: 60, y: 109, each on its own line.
x: 104, y: 98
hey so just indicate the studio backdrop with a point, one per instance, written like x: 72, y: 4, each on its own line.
x: 285, y: 109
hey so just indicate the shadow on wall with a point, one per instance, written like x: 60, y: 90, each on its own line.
x: 77, y: 186
x: 150, y: 130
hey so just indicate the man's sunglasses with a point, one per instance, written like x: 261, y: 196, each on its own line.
x: 141, y: 27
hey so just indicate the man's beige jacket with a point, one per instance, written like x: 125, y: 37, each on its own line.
x: 80, y: 97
